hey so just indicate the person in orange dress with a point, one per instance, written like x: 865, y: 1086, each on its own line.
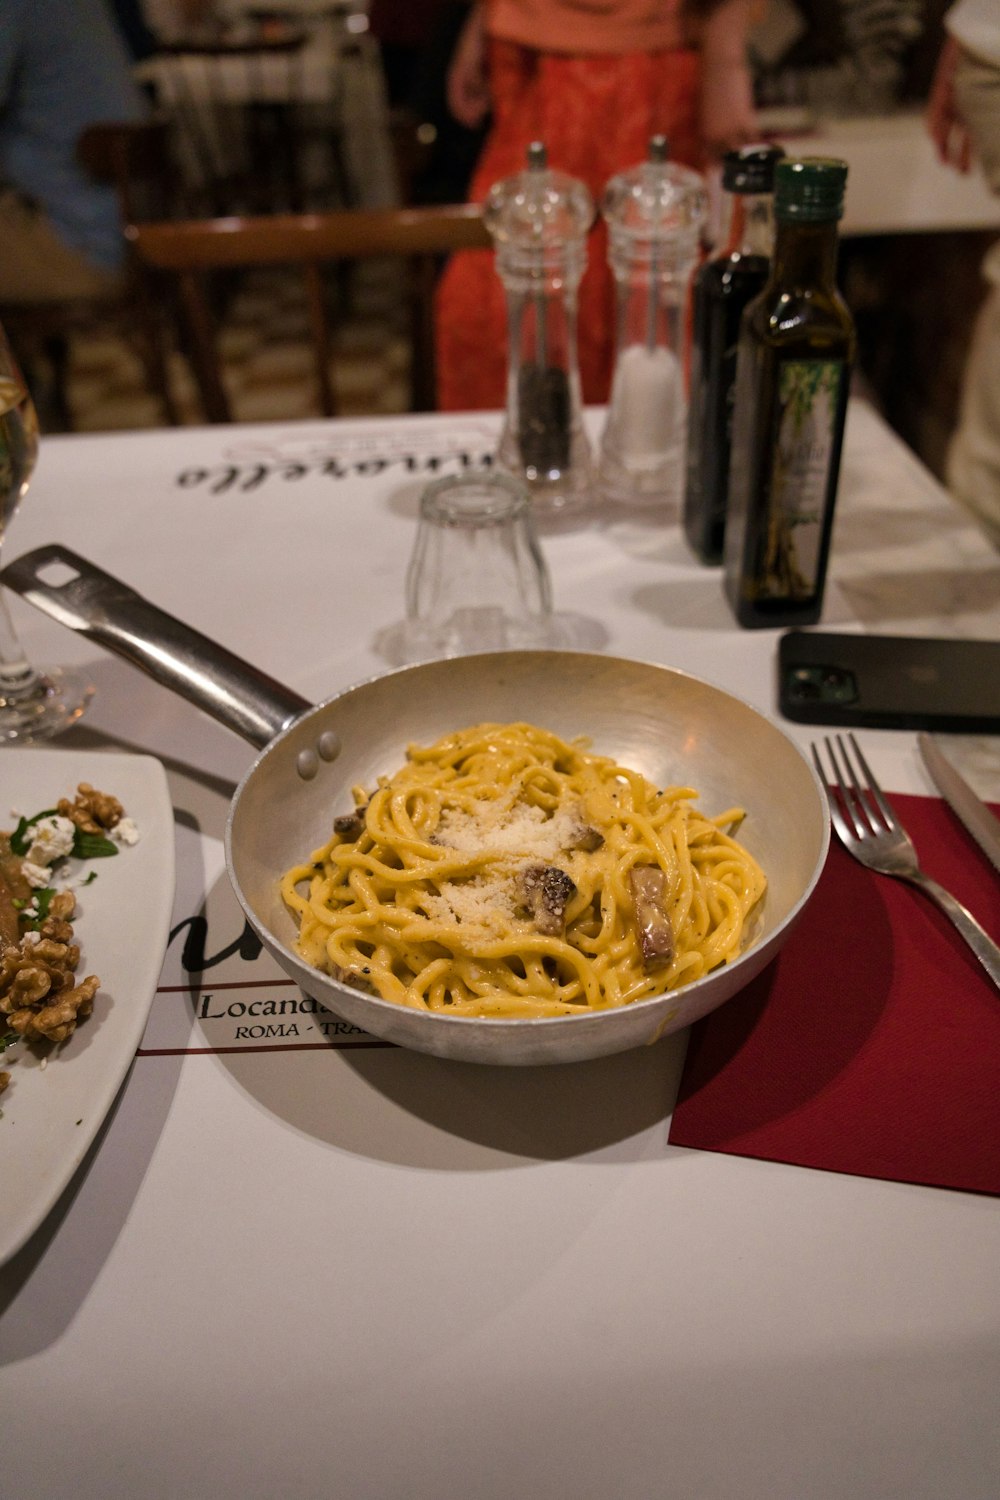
x: 593, y: 81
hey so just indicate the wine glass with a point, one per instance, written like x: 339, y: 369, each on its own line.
x: 35, y: 703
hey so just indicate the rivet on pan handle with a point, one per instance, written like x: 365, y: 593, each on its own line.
x: 99, y: 606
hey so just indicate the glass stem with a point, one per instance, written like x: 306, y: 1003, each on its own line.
x: 17, y: 676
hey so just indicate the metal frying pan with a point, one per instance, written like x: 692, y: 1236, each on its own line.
x: 671, y: 727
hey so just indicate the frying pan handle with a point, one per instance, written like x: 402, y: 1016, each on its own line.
x: 108, y: 612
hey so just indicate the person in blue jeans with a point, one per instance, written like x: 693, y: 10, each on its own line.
x: 63, y: 66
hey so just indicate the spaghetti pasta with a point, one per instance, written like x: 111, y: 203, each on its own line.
x: 505, y: 872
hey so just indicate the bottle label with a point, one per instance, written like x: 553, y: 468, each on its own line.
x: 804, y: 451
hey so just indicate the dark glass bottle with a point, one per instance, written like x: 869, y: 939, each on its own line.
x: 796, y: 350
x: 723, y: 287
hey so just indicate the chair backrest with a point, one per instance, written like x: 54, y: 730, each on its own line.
x: 136, y: 157
x: 188, y: 250
x: 256, y: 111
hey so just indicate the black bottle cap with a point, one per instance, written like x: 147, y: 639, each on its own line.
x: 750, y: 169
x: 810, y: 190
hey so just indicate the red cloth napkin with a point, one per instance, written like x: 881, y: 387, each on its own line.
x: 872, y: 1044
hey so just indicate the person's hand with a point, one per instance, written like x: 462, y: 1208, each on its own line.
x: 727, y: 116
x: 947, y: 129
x: 467, y: 88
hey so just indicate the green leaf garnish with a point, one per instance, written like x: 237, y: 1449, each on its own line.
x: 43, y: 900
x: 92, y: 845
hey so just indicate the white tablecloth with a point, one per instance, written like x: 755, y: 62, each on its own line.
x: 374, y: 1274
x: 896, y: 184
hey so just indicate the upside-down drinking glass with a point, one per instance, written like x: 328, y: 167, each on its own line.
x: 35, y: 703
x: 477, y: 580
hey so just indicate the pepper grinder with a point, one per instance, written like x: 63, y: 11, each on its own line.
x: 655, y: 213
x: 539, y: 221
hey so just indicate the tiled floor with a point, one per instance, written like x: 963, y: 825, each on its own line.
x: 266, y: 357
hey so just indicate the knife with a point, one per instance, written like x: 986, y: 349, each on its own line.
x: 967, y: 807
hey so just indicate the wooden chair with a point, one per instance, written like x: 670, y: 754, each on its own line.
x: 135, y: 159
x: 258, y: 109
x: 190, y: 251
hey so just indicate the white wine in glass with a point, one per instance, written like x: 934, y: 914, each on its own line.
x: 35, y: 703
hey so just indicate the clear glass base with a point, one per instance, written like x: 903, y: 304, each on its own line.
x: 406, y: 642
x: 53, y: 700
x: 568, y: 489
x: 657, y: 484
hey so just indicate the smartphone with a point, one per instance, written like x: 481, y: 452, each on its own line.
x: 889, y: 681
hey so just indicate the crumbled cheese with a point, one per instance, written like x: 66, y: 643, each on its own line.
x: 52, y: 838
x: 125, y: 831
x: 510, y: 834
x: 36, y: 875
x: 485, y: 904
x: 498, y: 828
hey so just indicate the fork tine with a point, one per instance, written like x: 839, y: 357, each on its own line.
x: 873, y: 787
x: 852, y: 802
x: 845, y: 830
x: 842, y: 814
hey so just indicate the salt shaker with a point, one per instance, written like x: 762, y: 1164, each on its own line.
x: 539, y: 221
x: 655, y: 213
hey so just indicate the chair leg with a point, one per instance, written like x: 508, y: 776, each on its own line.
x: 56, y: 349
x: 153, y: 353
x: 423, y: 278
x: 320, y: 325
x: 202, y: 351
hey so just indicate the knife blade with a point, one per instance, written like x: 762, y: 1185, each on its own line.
x: 974, y: 815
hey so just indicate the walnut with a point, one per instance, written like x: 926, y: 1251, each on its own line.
x: 92, y: 811
x: 33, y: 972
x: 30, y: 984
x: 59, y: 932
x: 40, y: 997
x: 57, y: 1021
x: 63, y: 905
x: 55, y: 925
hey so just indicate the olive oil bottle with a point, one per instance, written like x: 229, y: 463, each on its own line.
x: 796, y: 351
x: 731, y: 278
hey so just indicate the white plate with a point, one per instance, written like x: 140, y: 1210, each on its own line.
x: 51, y: 1115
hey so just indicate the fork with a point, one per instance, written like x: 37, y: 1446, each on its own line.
x: 869, y: 829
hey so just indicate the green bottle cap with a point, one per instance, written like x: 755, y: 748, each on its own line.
x: 809, y: 190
